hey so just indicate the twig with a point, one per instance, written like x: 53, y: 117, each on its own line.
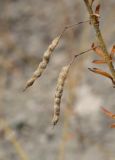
x: 100, y: 38
x: 75, y: 24
x: 79, y: 54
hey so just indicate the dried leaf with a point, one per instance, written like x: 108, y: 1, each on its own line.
x: 97, y: 9
x: 112, y: 51
x: 108, y: 113
x: 113, y: 125
x: 98, y: 50
x: 93, y: 45
x: 102, y: 61
x: 99, y: 61
x: 101, y: 72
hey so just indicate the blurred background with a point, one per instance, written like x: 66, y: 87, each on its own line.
x: 27, y: 27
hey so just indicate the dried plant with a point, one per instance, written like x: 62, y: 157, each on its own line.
x: 43, y: 64
x: 46, y: 56
x: 94, y: 17
x: 58, y: 93
x: 11, y: 137
x: 60, y: 86
x: 100, y: 49
x: 110, y: 115
x: 104, y: 58
x: 102, y: 73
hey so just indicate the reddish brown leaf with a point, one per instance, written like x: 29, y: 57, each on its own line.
x: 97, y: 9
x: 101, y: 72
x: 98, y: 61
x: 93, y: 45
x: 108, y: 113
x: 101, y: 61
x: 112, y: 51
x: 98, y: 50
x: 113, y: 125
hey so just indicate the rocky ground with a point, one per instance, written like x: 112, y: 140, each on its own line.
x: 27, y: 28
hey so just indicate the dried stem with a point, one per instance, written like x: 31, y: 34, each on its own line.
x: 75, y: 24
x: 79, y: 54
x: 10, y: 135
x: 100, y: 38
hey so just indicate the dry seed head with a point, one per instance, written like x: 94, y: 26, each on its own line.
x: 43, y: 64
x: 58, y: 93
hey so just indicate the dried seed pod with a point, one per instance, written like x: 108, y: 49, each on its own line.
x: 43, y: 64
x: 58, y: 93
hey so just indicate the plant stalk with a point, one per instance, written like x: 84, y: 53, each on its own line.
x: 100, y: 38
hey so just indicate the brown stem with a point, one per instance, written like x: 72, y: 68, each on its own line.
x: 71, y: 26
x: 79, y: 54
x: 100, y: 38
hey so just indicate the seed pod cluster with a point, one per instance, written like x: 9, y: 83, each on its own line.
x: 58, y: 93
x: 43, y: 64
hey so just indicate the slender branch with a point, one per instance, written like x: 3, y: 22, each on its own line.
x: 79, y: 54
x: 100, y: 38
x: 75, y: 24
x: 72, y: 26
x: 83, y: 52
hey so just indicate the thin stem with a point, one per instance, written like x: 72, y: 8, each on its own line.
x: 100, y: 38
x: 79, y: 54
x: 83, y: 52
x: 13, y: 139
x: 71, y: 26
x: 75, y: 24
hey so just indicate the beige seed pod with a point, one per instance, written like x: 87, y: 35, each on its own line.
x: 58, y: 93
x: 43, y: 64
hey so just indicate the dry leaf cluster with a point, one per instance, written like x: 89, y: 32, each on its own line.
x: 101, y: 61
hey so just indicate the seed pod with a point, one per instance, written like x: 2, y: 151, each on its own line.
x: 58, y: 93
x: 43, y: 64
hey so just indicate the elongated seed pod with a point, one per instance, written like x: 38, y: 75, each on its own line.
x: 46, y: 57
x: 43, y: 64
x: 59, y: 92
